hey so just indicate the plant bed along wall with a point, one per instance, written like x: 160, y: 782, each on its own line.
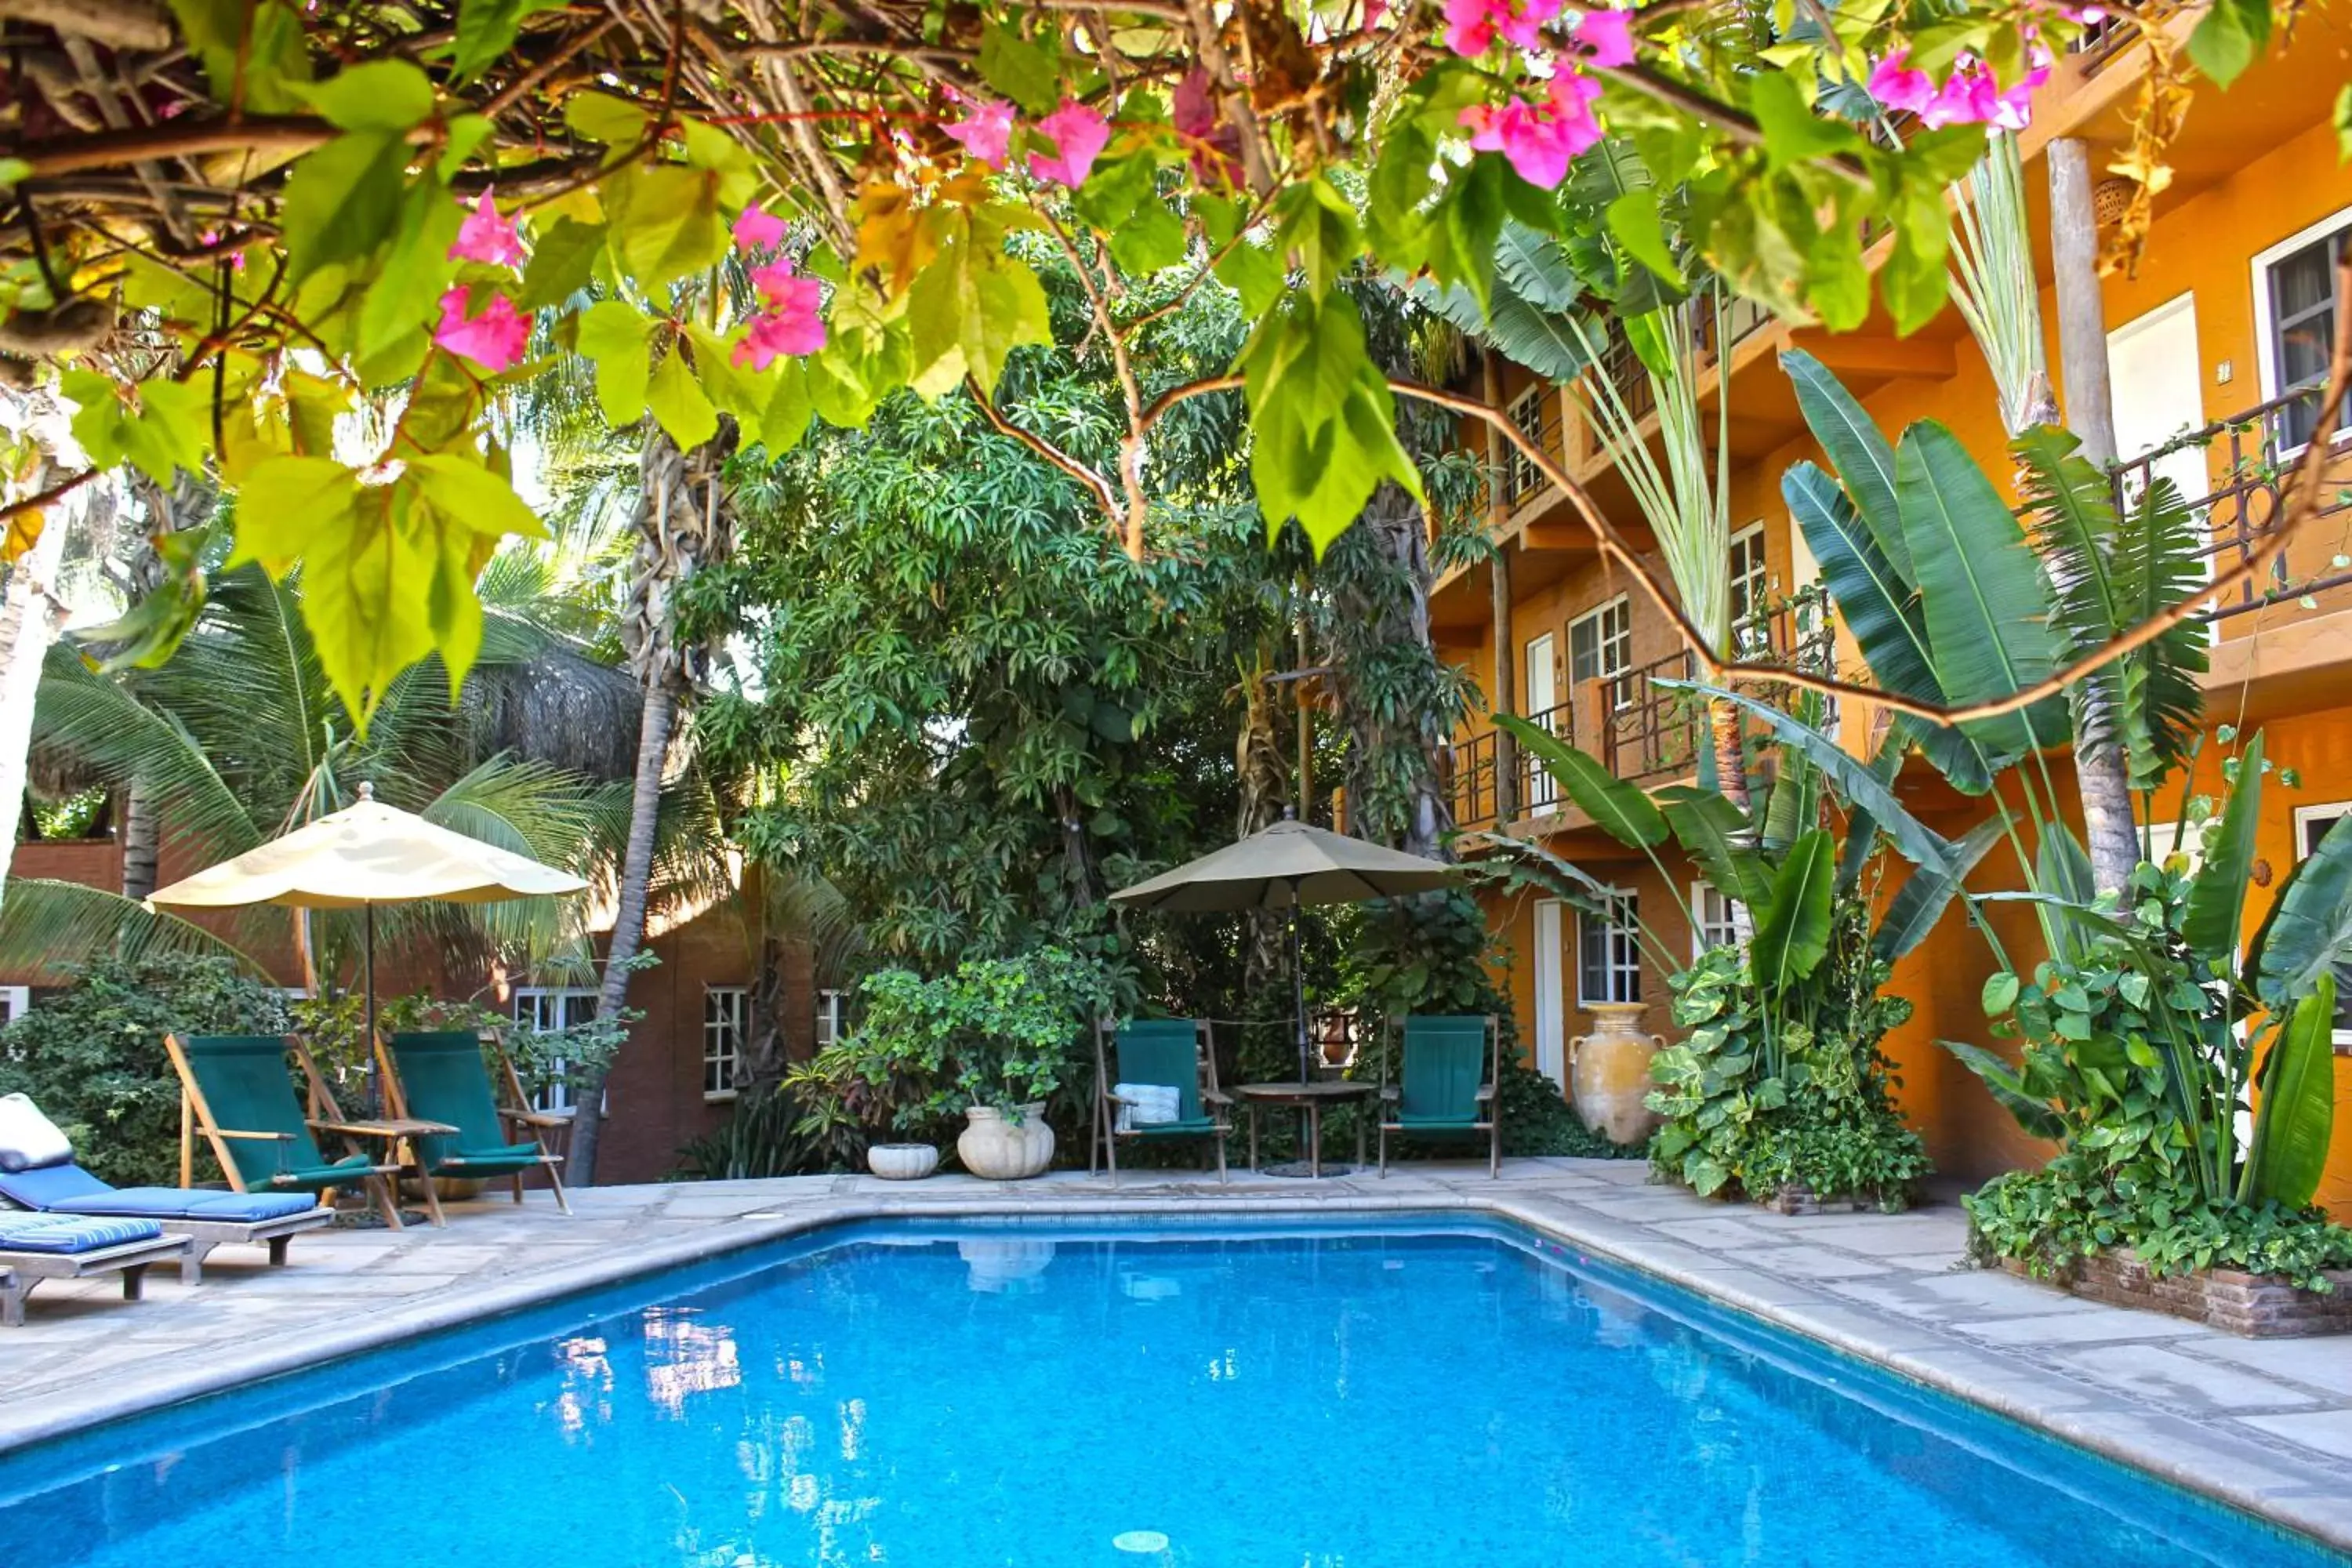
x: 2259, y: 1306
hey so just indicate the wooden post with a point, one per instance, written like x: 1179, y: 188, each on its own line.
x: 1504, y: 695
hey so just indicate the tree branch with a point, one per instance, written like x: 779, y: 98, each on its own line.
x: 1096, y: 486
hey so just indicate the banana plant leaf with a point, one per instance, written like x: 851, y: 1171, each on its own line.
x: 2308, y: 931
x: 1984, y: 597
x: 2033, y: 1114
x: 1572, y: 884
x: 1855, y: 780
x: 1714, y: 832
x: 1620, y: 808
x: 2061, y: 866
x: 2217, y: 894
x: 1856, y: 449
x: 1793, y: 934
x: 1914, y: 910
x: 2295, y: 1116
x: 1795, y: 804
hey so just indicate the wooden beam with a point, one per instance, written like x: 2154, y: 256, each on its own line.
x: 1498, y: 576
x: 1570, y: 536
x: 1852, y: 354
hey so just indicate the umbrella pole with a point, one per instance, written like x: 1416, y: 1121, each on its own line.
x: 1299, y: 992
x: 367, y: 969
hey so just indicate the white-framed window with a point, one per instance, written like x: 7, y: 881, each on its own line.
x: 1751, y: 579
x: 543, y: 1008
x: 725, y: 1024
x: 2312, y: 824
x: 1609, y: 954
x: 1716, y: 920
x: 1601, y: 645
x: 828, y: 1017
x: 2295, y: 320
x: 15, y: 1001
x: 1521, y: 477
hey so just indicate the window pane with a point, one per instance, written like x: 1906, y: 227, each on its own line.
x: 2302, y: 327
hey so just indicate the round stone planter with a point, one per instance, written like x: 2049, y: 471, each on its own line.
x: 902, y: 1162
x: 999, y: 1149
x: 1609, y: 1075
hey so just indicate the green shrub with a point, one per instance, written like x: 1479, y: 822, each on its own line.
x: 761, y: 1138
x: 2052, y: 1218
x: 92, y: 1056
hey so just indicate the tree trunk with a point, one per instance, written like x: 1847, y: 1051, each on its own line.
x: 141, y: 842
x: 1395, y: 773
x: 2101, y: 779
x: 629, y: 912
x: 1726, y: 739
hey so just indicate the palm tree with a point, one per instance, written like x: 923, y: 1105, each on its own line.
x: 235, y: 740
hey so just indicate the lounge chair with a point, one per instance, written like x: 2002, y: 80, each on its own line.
x: 235, y: 1091
x: 1450, y: 1065
x: 445, y: 1077
x: 38, y: 1246
x: 1176, y: 1053
x: 40, y: 1173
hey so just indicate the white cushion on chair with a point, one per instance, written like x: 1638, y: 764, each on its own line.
x: 29, y: 1140
x: 1147, y: 1104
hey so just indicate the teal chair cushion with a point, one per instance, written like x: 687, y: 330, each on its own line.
x: 444, y: 1077
x: 1444, y: 1068
x: 1165, y: 1051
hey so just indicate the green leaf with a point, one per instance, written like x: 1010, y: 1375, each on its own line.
x: 1863, y: 461
x: 13, y: 172
x: 486, y: 29
x: 2344, y: 123
x: 342, y: 200
x: 2295, y: 1115
x: 1152, y: 237
x: 1633, y: 220
x: 1316, y: 226
x: 2032, y: 1113
x: 617, y: 338
x: 1793, y: 134
x: 468, y: 490
x: 415, y: 270
x: 2229, y: 37
x: 1792, y: 936
x: 2216, y: 909
x: 1616, y: 806
x: 600, y: 117
x: 966, y: 313
x: 2308, y: 931
x: 1255, y: 273
x: 1028, y: 72
x: 665, y: 221
x: 733, y: 389
x: 561, y: 263
x: 380, y: 95
x: 260, y: 47
x: 1999, y: 992
x: 1920, y: 903
x: 786, y: 418
x: 1983, y: 593
x: 1715, y: 833
x: 678, y: 404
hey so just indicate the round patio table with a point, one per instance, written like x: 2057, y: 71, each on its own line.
x: 1309, y: 1098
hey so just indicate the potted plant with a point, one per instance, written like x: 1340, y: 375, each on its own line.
x: 1016, y: 1025
x: 879, y: 1094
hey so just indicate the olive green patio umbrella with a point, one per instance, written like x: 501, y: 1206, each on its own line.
x: 364, y: 855
x: 1281, y: 867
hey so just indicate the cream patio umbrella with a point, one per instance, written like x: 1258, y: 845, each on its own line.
x: 364, y: 855
x: 1281, y: 867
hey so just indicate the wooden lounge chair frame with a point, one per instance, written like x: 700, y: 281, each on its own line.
x: 1392, y: 1099
x: 21, y: 1271
x: 204, y: 1235
x: 515, y: 1112
x: 1104, y: 1136
x: 325, y: 1116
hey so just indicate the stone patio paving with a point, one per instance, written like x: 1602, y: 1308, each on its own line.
x: 2266, y: 1425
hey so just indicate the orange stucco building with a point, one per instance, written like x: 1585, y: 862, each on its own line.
x: 2216, y: 322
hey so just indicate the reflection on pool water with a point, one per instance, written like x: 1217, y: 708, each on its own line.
x: 1025, y: 1395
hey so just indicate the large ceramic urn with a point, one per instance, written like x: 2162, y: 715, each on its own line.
x: 1002, y: 1148
x: 1609, y: 1073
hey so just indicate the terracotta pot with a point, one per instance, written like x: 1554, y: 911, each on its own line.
x: 1609, y: 1073
x: 1000, y: 1150
x: 901, y: 1161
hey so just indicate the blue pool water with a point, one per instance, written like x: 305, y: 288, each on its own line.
x: 1025, y: 1395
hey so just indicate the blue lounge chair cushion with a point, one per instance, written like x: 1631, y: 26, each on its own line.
x: 69, y: 1189
x: 70, y: 1232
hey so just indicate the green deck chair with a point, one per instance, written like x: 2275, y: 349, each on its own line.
x: 236, y: 1091
x: 445, y: 1077
x: 1450, y: 1065
x: 1179, y: 1052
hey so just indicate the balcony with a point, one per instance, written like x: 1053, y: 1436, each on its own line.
x: 1634, y: 726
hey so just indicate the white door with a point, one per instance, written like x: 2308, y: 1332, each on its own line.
x: 1540, y: 690
x: 1552, y: 1017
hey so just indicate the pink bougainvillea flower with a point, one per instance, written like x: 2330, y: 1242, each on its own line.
x: 1897, y: 87
x: 985, y: 131
x: 1079, y: 135
x: 487, y: 238
x: 790, y: 325
x: 758, y: 229
x: 1541, y: 140
x: 211, y: 237
x: 1216, y: 145
x: 1472, y: 25
x: 494, y: 340
x: 1373, y: 11
x: 1606, y: 37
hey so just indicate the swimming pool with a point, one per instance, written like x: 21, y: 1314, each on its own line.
x: 1397, y: 1395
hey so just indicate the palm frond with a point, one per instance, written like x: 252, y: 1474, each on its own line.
x: 45, y: 922
x: 100, y: 722
x: 1993, y: 281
